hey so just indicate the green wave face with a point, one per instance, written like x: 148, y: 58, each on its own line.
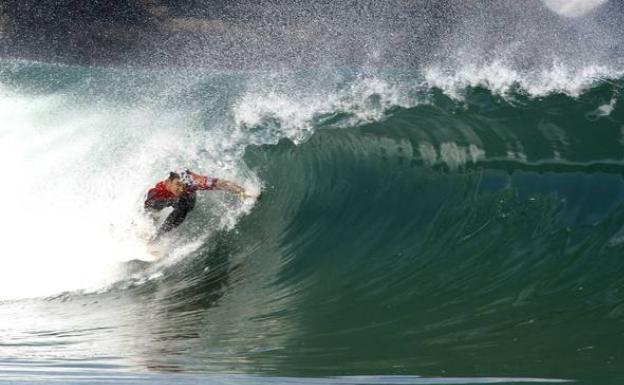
x: 455, y: 262
x: 407, y: 225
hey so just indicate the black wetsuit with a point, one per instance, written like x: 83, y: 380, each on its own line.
x: 181, y: 207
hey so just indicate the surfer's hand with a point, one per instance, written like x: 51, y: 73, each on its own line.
x: 244, y: 194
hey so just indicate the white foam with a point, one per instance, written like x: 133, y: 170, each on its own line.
x: 62, y: 215
x: 293, y: 111
x: 75, y: 176
x: 501, y: 78
x: 602, y: 111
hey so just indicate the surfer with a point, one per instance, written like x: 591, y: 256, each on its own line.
x: 179, y: 191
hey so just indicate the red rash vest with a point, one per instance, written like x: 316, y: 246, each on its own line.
x: 160, y: 192
x: 192, y: 182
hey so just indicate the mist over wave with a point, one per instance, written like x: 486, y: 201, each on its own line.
x: 270, y: 35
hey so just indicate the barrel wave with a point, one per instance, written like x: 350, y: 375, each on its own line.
x: 397, y: 240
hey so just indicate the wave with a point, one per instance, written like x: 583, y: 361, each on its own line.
x: 442, y: 190
x: 99, y: 145
x: 426, y: 211
x: 445, y: 228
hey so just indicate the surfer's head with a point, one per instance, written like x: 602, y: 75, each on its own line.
x: 174, y: 184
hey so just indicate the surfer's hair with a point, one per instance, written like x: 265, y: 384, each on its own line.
x: 174, y: 175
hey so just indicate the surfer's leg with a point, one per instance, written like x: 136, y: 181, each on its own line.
x: 177, y: 216
x: 151, y: 211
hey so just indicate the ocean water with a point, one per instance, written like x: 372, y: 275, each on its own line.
x: 454, y: 220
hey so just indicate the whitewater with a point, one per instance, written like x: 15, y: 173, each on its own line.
x: 442, y: 199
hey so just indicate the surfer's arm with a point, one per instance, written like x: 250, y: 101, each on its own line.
x: 202, y: 182
x: 232, y: 187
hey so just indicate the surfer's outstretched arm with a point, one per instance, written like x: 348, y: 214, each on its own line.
x: 226, y: 185
x: 232, y: 187
x: 202, y: 182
